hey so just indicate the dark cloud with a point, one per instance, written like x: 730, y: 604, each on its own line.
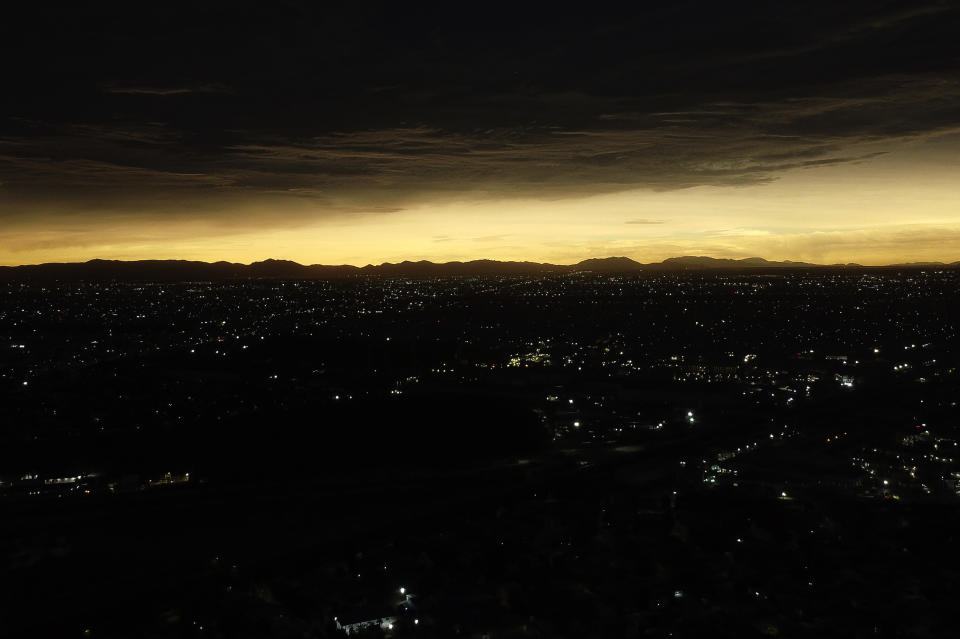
x: 148, y: 90
x: 167, y: 90
x: 373, y: 108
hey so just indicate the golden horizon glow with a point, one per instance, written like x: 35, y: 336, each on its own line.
x: 899, y: 207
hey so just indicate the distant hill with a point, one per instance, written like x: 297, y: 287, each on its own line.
x: 474, y: 267
x: 690, y: 262
x: 608, y: 265
x: 185, y: 270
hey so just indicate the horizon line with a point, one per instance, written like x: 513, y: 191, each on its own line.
x: 501, y: 261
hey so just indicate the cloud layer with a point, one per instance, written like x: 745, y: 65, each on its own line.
x: 250, y: 118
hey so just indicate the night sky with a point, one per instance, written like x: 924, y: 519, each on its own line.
x: 825, y: 132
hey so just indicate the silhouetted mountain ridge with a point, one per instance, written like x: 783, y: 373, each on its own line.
x: 703, y: 262
x: 187, y: 270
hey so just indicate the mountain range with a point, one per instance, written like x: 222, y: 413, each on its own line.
x: 182, y: 270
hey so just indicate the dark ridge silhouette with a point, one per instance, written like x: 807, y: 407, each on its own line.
x: 474, y: 267
x: 186, y: 270
x: 700, y: 262
x: 610, y: 265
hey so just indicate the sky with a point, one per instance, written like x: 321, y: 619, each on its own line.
x: 241, y: 131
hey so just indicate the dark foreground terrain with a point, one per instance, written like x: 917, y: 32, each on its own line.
x: 554, y: 455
